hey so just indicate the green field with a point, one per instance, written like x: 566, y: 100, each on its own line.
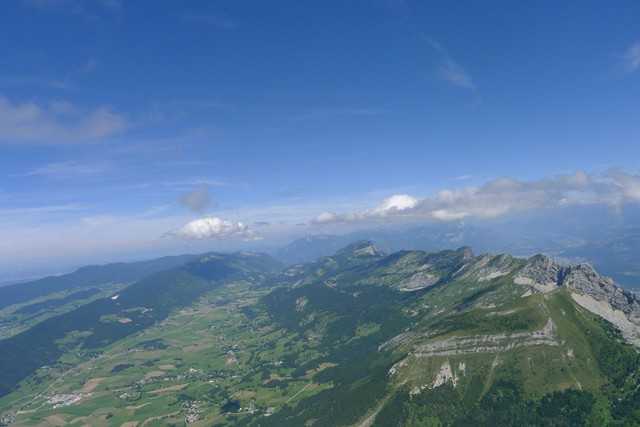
x: 192, y: 364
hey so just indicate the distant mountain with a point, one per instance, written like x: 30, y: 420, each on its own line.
x: 88, y: 276
x: 12, y: 282
x: 310, y: 248
x: 429, y: 237
x: 576, y: 235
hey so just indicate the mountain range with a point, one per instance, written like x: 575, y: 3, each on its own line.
x: 573, y: 237
x: 362, y: 337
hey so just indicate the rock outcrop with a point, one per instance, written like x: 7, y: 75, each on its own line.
x: 540, y: 272
x: 598, y: 294
x: 497, y: 343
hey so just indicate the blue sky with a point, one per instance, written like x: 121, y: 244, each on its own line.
x: 115, y: 116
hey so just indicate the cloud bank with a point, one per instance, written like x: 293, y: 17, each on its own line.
x: 390, y: 206
x: 501, y: 197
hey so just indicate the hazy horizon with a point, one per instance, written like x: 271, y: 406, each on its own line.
x: 130, y: 130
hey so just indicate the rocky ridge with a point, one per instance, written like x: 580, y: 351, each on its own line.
x: 592, y: 291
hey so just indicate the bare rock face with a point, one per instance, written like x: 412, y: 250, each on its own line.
x: 362, y: 249
x: 369, y: 250
x: 584, y: 279
x: 488, y: 267
x: 600, y: 295
x: 541, y: 272
x: 420, y: 280
x: 497, y: 343
x: 596, y: 293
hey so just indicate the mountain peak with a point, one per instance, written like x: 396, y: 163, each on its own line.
x: 546, y: 274
x: 541, y: 272
x: 363, y: 248
x: 466, y: 251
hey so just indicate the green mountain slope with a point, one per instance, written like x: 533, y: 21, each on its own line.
x: 481, y: 340
x: 359, y: 338
x: 88, y: 276
x: 135, y: 308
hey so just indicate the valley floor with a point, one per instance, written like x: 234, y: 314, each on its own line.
x: 202, y: 365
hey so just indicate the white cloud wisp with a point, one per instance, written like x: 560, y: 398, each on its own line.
x: 55, y: 123
x: 632, y: 57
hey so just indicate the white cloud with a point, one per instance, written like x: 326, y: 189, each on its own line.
x: 632, y: 57
x: 628, y: 185
x: 501, y: 197
x: 40, y: 210
x: 188, y: 183
x: 390, y: 206
x: 326, y: 217
x: 333, y: 112
x: 29, y: 231
x: 463, y: 177
x: 66, y: 169
x: 78, y: 7
x: 452, y: 72
x: 449, y: 69
x: 59, y: 122
x: 99, y: 220
x: 444, y: 215
x: 215, y: 228
x: 396, y: 203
